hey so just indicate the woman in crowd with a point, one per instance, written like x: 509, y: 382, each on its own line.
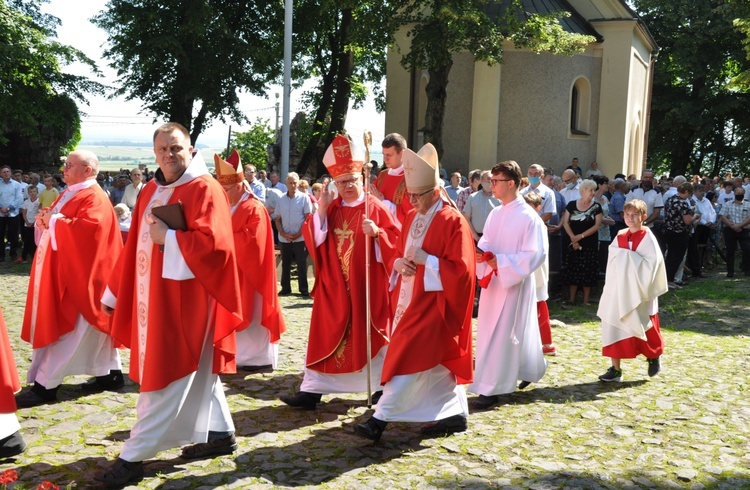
x: 581, y: 223
x: 678, y: 221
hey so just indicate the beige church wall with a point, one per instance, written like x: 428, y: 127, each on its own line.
x: 535, y: 102
x: 397, y: 95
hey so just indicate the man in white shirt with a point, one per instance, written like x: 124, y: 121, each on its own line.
x: 133, y: 189
x: 255, y: 185
x: 648, y: 194
x: 535, y: 175
x: 699, y: 238
x: 290, y: 214
x: 570, y: 192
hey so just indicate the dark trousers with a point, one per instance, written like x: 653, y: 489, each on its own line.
x: 677, y: 244
x: 29, y: 245
x: 731, y: 238
x: 697, y: 248
x: 9, y: 229
x: 298, y: 252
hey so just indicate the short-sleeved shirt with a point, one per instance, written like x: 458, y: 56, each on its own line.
x: 651, y: 197
x: 674, y: 210
x: 548, y: 198
x: 292, y: 211
x: 477, y: 209
x: 580, y: 221
x: 736, y: 212
x: 258, y: 189
x: 32, y: 209
x: 453, y: 191
x: 463, y: 198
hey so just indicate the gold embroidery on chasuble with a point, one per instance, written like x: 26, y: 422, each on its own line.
x: 344, y: 247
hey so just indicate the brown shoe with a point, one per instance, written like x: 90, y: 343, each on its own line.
x: 120, y: 473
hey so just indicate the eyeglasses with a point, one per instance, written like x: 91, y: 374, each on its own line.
x: 346, y: 183
x: 414, y: 196
x: 495, y: 181
x: 68, y: 165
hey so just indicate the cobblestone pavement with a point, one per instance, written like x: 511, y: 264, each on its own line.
x: 686, y: 428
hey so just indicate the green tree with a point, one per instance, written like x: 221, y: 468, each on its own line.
x: 187, y: 60
x: 441, y: 28
x: 253, y: 144
x: 699, y: 116
x: 341, y: 43
x: 37, y: 98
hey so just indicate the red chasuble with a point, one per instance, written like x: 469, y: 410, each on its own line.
x: 178, y: 313
x: 338, y: 340
x: 629, y: 348
x: 436, y: 327
x: 9, y: 382
x: 76, y: 274
x: 393, y: 188
x: 253, y: 240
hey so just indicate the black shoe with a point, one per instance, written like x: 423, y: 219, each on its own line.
x: 372, y: 429
x: 215, y: 447
x: 266, y: 368
x: 37, y: 395
x: 303, y: 399
x: 12, y: 445
x: 120, y: 473
x: 109, y: 382
x: 654, y: 366
x: 456, y: 423
x: 523, y: 384
x: 483, y: 402
x: 612, y: 374
x: 285, y: 293
x: 376, y: 397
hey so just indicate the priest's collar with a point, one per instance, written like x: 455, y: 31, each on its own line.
x: 396, y: 171
x: 82, y: 185
x: 196, y: 168
x: 357, y: 202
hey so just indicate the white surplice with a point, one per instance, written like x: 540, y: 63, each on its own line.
x: 509, y: 346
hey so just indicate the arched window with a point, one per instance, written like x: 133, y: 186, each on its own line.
x: 580, y: 107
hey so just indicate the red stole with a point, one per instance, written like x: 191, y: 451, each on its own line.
x: 338, y: 339
x: 624, y: 238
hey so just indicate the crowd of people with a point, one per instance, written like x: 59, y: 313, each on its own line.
x: 179, y: 266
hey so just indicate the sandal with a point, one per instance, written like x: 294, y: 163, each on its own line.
x: 214, y: 447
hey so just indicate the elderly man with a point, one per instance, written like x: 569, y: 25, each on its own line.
x: 430, y: 353
x: 390, y: 186
x: 535, y: 175
x: 133, y: 189
x: 276, y: 182
x: 509, y: 347
x: 258, y: 343
x: 11, y: 200
x: 335, y: 236
x: 63, y: 320
x: 256, y: 186
x: 291, y: 211
x: 176, y: 299
x: 736, y: 218
x: 479, y: 206
x: 570, y: 192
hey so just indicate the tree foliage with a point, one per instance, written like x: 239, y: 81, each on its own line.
x: 187, y: 60
x: 253, y: 143
x: 699, y: 118
x: 36, y: 95
x: 438, y: 29
x: 343, y: 45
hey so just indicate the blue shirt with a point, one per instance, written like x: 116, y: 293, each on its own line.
x: 292, y: 211
x: 258, y: 189
x: 11, y: 197
x: 616, y: 205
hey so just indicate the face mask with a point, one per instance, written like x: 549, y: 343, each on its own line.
x: 739, y: 197
x: 534, y: 180
x: 486, y: 186
x: 570, y: 186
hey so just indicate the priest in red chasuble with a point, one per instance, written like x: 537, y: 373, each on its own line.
x: 629, y: 306
x: 175, y: 299
x: 258, y: 338
x: 390, y: 186
x: 63, y: 321
x: 11, y: 441
x: 430, y: 356
x: 335, y: 238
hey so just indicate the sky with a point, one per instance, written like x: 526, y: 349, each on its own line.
x: 120, y: 120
